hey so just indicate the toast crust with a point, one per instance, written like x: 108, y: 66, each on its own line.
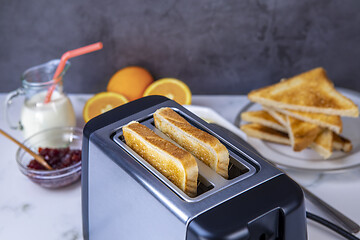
x: 332, y: 122
x: 202, y: 145
x: 176, y: 164
x: 265, y: 133
x: 264, y: 118
x: 301, y: 134
x: 323, y: 143
x: 310, y: 91
x: 281, y: 118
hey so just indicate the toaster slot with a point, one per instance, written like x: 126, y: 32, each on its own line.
x: 239, y: 165
x: 235, y: 168
x: 209, y: 181
x: 203, y: 185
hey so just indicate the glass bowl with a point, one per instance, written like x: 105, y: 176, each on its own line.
x: 51, y: 138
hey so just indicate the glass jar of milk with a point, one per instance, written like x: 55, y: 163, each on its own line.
x: 36, y: 115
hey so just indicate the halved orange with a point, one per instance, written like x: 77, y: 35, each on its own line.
x: 102, y: 102
x: 130, y: 81
x: 172, y: 88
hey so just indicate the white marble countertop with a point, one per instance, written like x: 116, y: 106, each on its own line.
x: 28, y: 211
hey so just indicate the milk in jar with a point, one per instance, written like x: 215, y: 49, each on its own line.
x: 37, y: 115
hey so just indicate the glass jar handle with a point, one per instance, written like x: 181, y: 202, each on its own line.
x: 8, y: 102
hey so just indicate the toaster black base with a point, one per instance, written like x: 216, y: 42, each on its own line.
x: 273, y: 210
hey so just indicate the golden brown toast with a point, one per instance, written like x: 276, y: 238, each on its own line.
x: 331, y: 122
x: 301, y: 133
x: 176, y: 164
x: 202, y: 145
x: 265, y: 133
x: 280, y: 117
x: 310, y: 91
x: 323, y: 143
x: 264, y: 118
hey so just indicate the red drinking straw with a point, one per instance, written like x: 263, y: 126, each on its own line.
x: 66, y: 56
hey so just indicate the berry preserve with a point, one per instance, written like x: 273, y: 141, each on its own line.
x: 57, y: 158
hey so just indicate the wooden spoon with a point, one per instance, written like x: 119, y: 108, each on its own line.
x: 37, y: 157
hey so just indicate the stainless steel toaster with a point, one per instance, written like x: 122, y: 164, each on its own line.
x: 123, y: 197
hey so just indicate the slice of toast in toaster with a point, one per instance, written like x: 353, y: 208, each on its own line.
x: 202, y: 145
x: 264, y: 118
x: 310, y: 91
x: 176, y: 164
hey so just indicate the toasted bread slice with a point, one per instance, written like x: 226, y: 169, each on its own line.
x: 341, y: 143
x: 323, y: 143
x: 202, y: 145
x: 301, y: 133
x: 265, y: 133
x: 331, y: 122
x: 176, y: 164
x: 281, y: 118
x: 264, y: 118
x: 320, y: 145
x: 311, y: 91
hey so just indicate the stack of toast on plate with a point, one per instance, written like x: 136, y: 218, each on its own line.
x: 302, y: 111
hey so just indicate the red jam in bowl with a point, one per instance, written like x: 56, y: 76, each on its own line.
x: 57, y: 158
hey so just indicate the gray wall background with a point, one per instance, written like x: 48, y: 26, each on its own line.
x: 215, y: 46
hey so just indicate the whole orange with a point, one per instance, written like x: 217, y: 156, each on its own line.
x: 130, y: 82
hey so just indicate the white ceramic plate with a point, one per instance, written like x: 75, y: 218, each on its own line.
x: 285, y: 158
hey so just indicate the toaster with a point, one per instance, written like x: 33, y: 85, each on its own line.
x: 124, y: 197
